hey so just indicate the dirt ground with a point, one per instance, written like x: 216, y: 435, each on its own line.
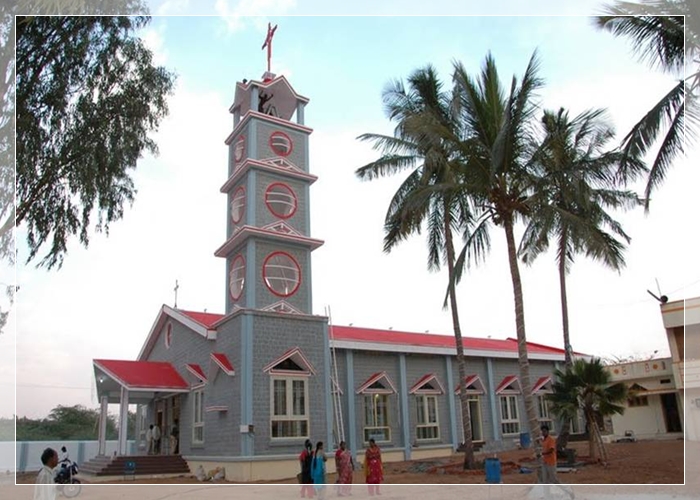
x: 644, y: 462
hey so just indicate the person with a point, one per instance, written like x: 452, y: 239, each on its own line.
x: 549, y: 457
x: 318, y: 471
x: 305, y: 459
x: 262, y: 100
x: 374, y: 473
x: 64, y: 456
x: 344, y: 467
x: 45, y: 488
x: 156, y: 439
x: 149, y: 440
x: 174, y: 441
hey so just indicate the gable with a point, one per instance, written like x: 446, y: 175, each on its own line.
x: 474, y: 386
x: 427, y: 384
x: 543, y: 386
x: 378, y: 383
x: 509, y: 385
x: 292, y: 362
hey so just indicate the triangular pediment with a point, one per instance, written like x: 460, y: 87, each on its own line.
x: 282, y: 227
x: 292, y: 362
x: 474, y: 386
x: 427, y: 384
x: 543, y: 386
x: 282, y: 307
x: 379, y: 383
x: 283, y: 163
x: 509, y: 385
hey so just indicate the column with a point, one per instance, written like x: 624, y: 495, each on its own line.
x: 495, y: 416
x: 247, y: 439
x: 451, y: 402
x: 123, y: 420
x: 327, y: 389
x: 403, y: 398
x: 300, y: 112
x: 254, y: 97
x: 350, y: 391
x: 102, y: 435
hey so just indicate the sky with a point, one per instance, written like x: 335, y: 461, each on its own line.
x: 103, y: 301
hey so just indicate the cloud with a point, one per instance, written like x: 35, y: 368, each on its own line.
x: 153, y: 38
x: 170, y: 7
x: 253, y: 12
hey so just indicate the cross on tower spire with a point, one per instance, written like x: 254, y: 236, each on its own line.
x: 177, y: 286
x: 268, y: 43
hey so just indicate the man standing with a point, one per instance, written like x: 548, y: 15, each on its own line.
x: 45, y: 485
x: 174, y: 435
x: 156, y: 439
x: 149, y: 440
x: 549, y: 457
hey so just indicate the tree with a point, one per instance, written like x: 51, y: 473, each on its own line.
x: 495, y: 150
x: 586, y: 385
x: 662, y: 37
x: 576, y: 184
x: 88, y: 96
x: 71, y: 423
x: 430, y: 195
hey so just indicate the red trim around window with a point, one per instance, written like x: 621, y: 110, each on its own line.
x: 294, y: 197
x: 233, y: 264
x: 168, y: 335
x: 277, y: 134
x: 241, y: 141
x: 265, y: 277
x: 233, y: 198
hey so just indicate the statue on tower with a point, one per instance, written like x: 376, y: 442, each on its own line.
x: 268, y: 43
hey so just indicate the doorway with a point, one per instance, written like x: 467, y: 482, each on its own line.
x: 672, y: 416
x: 475, y: 414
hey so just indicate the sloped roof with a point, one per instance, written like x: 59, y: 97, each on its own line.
x: 203, y: 318
x: 156, y: 375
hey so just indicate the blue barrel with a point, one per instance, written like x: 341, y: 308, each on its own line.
x: 524, y: 440
x: 493, y: 470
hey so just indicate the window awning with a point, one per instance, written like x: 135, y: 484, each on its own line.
x: 379, y: 383
x: 509, y: 385
x: 474, y: 386
x: 143, y: 379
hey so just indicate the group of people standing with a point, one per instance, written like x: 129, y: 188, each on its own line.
x: 313, y: 469
x: 153, y: 439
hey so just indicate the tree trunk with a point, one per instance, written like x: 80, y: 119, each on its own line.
x: 563, y: 437
x: 592, y: 426
x: 522, y: 339
x: 461, y: 362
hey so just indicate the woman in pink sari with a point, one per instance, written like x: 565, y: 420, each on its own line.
x: 343, y: 463
x: 374, y: 473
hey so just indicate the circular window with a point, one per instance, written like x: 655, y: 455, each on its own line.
x: 281, y: 200
x: 281, y: 144
x: 239, y: 149
x: 281, y: 274
x: 237, y: 277
x: 168, y: 335
x: 238, y: 205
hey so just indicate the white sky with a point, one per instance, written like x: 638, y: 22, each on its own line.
x: 103, y: 301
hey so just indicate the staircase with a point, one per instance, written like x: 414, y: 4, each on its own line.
x: 145, y: 465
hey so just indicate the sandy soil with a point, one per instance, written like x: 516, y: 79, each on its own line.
x: 645, y: 462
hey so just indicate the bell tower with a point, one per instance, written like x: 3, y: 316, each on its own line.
x: 268, y: 245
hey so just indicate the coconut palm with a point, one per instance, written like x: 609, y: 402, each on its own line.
x: 495, y: 149
x: 662, y: 37
x: 575, y: 187
x: 430, y: 195
x: 586, y: 386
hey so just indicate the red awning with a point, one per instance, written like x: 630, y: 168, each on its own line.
x: 143, y: 375
x: 504, y: 386
x: 223, y: 362
x: 541, y: 382
x: 197, y: 371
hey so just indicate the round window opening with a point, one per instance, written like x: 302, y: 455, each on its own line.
x: 281, y: 200
x: 281, y: 144
x: 168, y: 335
x: 238, y: 205
x: 281, y: 274
x: 239, y: 149
x: 237, y: 277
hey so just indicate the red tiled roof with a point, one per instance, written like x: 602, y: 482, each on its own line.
x: 375, y: 378
x: 424, y: 380
x: 355, y: 334
x: 541, y: 383
x: 471, y: 380
x: 222, y: 360
x: 143, y: 374
x: 203, y: 318
x: 505, y: 383
x: 197, y: 371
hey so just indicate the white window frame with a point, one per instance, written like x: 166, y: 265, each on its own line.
x: 372, y: 400
x: 198, y: 417
x: 543, y: 416
x: 423, y: 402
x: 289, y: 415
x: 510, y: 421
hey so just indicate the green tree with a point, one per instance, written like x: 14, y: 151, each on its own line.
x: 88, y: 96
x: 663, y: 38
x: 430, y: 195
x: 587, y: 386
x: 495, y: 149
x: 576, y: 185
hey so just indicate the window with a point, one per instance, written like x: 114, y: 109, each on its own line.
x: 281, y: 274
x: 238, y: 205
x: 637, y: 401
x: 281, y: 200
x: 143, y: 418
x: 237, y: 277
x: 377, y: 418
x: 281, y: 144
x: 543, y: 410
x: 427, y: 426
x: 290, y: 408
x: 509, y: 415
x: 168, y: 335
x: 239, y: 149
x: 198, y: 418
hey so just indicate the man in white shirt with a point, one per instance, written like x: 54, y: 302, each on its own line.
x: 149, y: 439
x: 45, y: 488
x: 156, y: 439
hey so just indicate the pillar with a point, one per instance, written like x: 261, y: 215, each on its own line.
x: 102, y: 435
x: 350, y: 391
x: 452, y: 408
x: 495, y: 415
x: 403, y: 398
x: 300, y: 112
x: 124, y: 420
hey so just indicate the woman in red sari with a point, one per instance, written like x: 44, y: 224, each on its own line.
x: 343, y: 463
x: 374, y: 473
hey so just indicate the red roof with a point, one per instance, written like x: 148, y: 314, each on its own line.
x: 354, y: 334
x: 222, y: 360
x: 206, y: 319
x: 541, y: 382
x: 505, y: 383
x: 142, y: 374
x: 197, y: 371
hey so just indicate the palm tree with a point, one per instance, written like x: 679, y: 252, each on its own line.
x: 575, y: 186
x: 430, y: 193
x: 586, y: 386
x: 495, y: 150
x: 656, y: 29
